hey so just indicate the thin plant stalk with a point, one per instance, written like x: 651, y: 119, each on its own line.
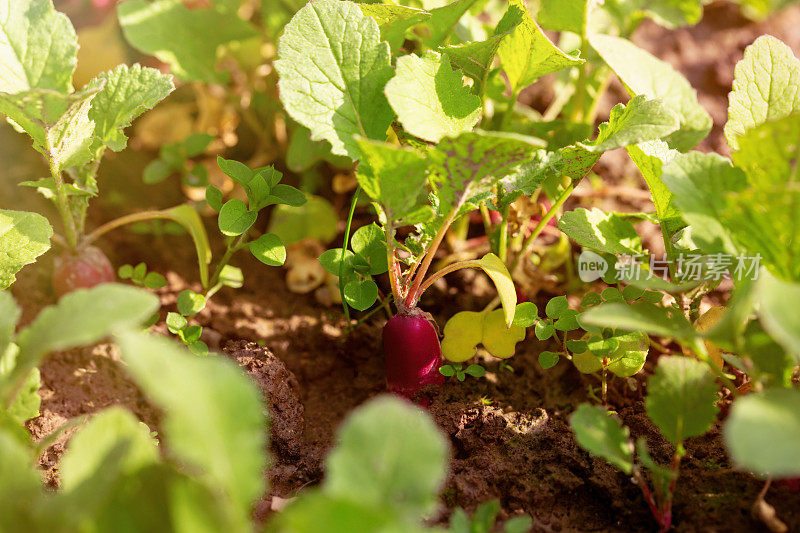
x: 62, y: 203
x: 527, y: 246
x: 345, y: 245
x: 414, y: 292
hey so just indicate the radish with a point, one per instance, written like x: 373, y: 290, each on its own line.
x: 83, y: 268
x: 413, y: 353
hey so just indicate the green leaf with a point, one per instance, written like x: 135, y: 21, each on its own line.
x: 768, y: 154
x: 544, y: 330
x: 333, y: 67
x: 475, y: 371
x: 38, y: 47
x: 286, y: 195
x: 643, y: 73
x: 548, y: 360
x: 9, y: 315
x: 214, y: 198
x: 26, y: 402
x: 394, y: 21
x: 187, y: 39
x: 762, y: 432
x: 176, y: 322
x: 651, y: 157
x: 331, y: 260
x: 190, y: 303
x: 447, y: 371
x: 778, y: 315
x: 498, y: 273
x: 764, y: 87
x: 370, y: 243
x: 468, y: 167
x: 444, y: 19
x: 462, y: 334
x: 21, y: 490
x: 389, y: 454
x: 527, y: 53
x: 187, y: 216
x: 316, y: 219
x: 360, y: 294
x: 394, y: 177
x: 88, y: 448
x: 305, y: 514
x: 23, y: 237
x: 80, y: 318
x: 628, y: 14
x: 59, y: 124
x: 640, y: 120
x: 430, y: 98
x: 603, y: 232
x: 156, y: 171
x: 563, y: 15
x: 526, y: 314
x: 601, y: 434
x: 681, y: 398
x: 631, y: 353
x: 556, y: 306
x: 231, y: 276
x: 500, y: 336
x: 640, y: 316
x: 762, y: 222
x: 475, y: 59
x: 154, y: 280
x: 236, y: 170
x: 235, y: 218
x: 127, y: 93
x: 214, y: 415
x: 699, y: 183
x: 269, y: 250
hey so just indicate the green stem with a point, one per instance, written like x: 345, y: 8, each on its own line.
x: 449, y: 269
x: 528, y: 244
x: 233, y: 247
x: 123, y: 220
x: 345, y: 245
x: 502, y: 241
x: 509, y: 112
x: 62, y: 203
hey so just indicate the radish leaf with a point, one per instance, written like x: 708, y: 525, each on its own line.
x: 333, y: 67
x: 681, y: 398
x: 430, y: 98
x: 766, y: 86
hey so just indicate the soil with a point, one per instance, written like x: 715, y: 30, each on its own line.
x: 509, y: 434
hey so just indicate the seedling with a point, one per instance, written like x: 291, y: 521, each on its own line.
x: 681, y: 402
x: 460, y: 373
x: 71, y: 129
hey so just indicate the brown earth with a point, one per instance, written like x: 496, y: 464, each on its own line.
x: 508, y: 431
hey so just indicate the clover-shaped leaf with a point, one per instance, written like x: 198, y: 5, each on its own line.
x: 556, y: 306
x: 269, y: 250
x: 526, y: 314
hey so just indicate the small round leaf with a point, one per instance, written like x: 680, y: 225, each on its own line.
x: 360, y: 294
x: 548, y: 359
x: 235, y: 219
x: 190, y: 303
x: 269, y: 250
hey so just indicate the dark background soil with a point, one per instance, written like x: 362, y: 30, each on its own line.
x: 509, y: 433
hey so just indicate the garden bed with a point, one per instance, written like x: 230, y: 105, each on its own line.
x: 508, y: 431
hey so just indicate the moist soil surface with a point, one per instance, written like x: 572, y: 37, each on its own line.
x: 509, y: 433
